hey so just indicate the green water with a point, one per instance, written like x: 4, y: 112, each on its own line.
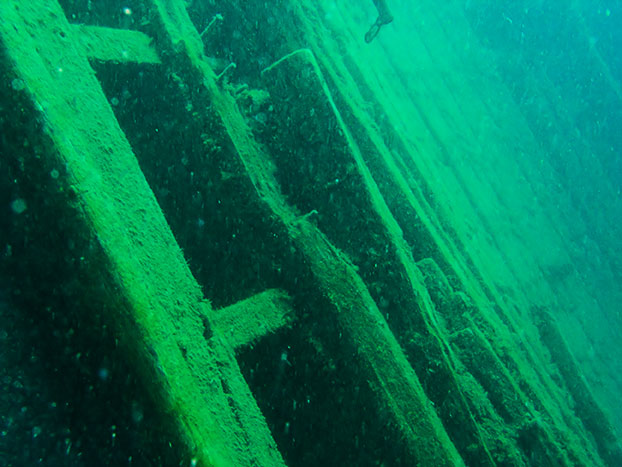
x: 239, y: 233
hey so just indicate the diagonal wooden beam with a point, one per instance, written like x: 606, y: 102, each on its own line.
x: 156, y: 303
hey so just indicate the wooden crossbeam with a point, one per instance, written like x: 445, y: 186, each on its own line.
x: 114, y: 45
x: 249, y: 320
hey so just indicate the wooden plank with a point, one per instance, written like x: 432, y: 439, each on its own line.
x: 586, y: 406
x: 526, y: 368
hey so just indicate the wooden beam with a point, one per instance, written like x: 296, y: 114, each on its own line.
x: 249, y: 320
x: 157, y: 307
x: 114, y: 45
